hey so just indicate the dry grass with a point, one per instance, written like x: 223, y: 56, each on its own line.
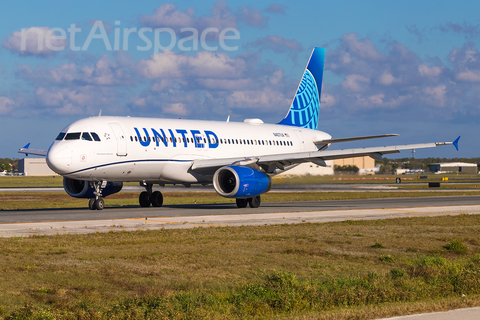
x: 325, y: 270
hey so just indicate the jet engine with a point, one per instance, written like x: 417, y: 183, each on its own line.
x: 240, y: 182
x: 83, y: 189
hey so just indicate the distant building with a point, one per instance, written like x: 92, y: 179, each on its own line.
x: 312, y: 169
x: 460, y: 167
x: 361, y: 162
x: 34, y: 167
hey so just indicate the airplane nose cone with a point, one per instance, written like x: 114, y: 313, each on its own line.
x: 59, y: 159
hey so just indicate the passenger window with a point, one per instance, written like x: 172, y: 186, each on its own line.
x: 73, y: 136
x: 60, y: 136
x: 136, y: 138
x: 86, y: 136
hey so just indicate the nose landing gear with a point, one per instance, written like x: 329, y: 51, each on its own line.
x: 97, y: 203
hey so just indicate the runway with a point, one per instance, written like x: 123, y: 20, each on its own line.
x: 59, y: 221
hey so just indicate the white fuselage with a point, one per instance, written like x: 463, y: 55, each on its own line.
x: 162, y: 150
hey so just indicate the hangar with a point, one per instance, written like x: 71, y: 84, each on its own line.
x: 34, y: 167
x: 311, y: 169
x: 460, y: 167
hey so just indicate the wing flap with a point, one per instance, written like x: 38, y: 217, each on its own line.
x: 355, y: 138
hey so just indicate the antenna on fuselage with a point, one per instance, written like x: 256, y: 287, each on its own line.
x: 100, y: 113
x: 228, y: 119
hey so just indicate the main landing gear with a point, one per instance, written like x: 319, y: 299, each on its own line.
x: 97, y: 203
x: 148, y: 197
x: 252, y: 202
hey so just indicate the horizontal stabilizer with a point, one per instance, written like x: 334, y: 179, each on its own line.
x: 354, y: 138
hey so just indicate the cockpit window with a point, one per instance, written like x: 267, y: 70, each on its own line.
x: 95, y: 136
x: 86, y: 136
x: 73, y: 136
x: 60, y: 136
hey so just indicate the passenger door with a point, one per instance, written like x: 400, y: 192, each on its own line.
x: 120, y: 137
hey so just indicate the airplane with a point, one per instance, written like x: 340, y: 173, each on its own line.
x: 370, y: 170
x: 96, y: 155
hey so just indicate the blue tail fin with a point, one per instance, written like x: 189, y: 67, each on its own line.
x: 306, y: 104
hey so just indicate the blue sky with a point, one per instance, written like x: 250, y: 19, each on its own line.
x: 410, y: 67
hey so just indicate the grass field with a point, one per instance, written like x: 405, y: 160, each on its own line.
x: 45, y: 200
x: 57, y: 181
x: 342, y: 270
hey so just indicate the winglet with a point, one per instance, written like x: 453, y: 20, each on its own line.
x: 455, y: 143
x: 26, y: 147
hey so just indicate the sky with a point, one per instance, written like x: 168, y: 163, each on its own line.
x: 410, y: 67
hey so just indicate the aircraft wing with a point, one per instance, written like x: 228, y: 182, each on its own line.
x: 35, y: 152
x: 271, y: 162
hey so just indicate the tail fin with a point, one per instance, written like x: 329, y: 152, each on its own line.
x: 306, y: 104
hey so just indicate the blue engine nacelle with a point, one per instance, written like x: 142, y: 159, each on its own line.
x: 240, y: 182
x: 83, y: 189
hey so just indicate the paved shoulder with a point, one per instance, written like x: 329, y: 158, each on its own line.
x: 458, y: 314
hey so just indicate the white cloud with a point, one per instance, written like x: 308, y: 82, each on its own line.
x: 267, y: 98
x: 167, y: 15
x: 168, y: 64
x: 36, y: 41
x: 178, y: 109
x: 364, y: 48
x: 5, y: 105
x: 470, y: 75
x: 104, y: 73
x: 224, y: 84
x: 426, y: 71
x: 355, y: 82
x: 87, y: 100
x: 436, y: 96
x: 386, y: 79
x: 252, y: 17
x: 327, y: 101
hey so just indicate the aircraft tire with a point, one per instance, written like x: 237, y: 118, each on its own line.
x: 91, y: 204
x: 254, y: 202
x: 241, y: 203
x: 157, y: 199
x: 99, y: 204
x: 144, y: 199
